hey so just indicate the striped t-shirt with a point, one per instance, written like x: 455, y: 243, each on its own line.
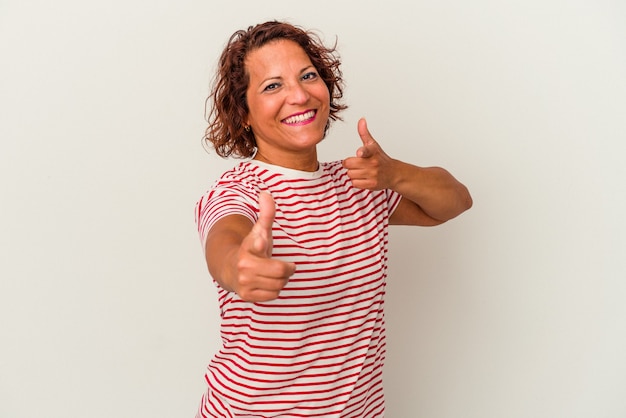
x: 317, y: 350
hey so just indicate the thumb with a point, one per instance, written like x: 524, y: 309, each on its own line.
x: 366, y: 138
x: 267, y: 211
x: 364, y: 133
x: 262, y: 230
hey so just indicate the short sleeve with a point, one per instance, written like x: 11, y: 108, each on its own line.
x: 393, y: 200
x: 225, y: 198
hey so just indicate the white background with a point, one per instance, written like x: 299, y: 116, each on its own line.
x: 515, y: 309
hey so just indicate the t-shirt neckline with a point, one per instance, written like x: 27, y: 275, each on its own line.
x: 289, y: 172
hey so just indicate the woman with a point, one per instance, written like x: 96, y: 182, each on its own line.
x: 298, y: 248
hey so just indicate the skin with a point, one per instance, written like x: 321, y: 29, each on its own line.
x: 283, y: 84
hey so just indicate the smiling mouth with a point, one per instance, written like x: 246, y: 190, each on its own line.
x: 301, y: 118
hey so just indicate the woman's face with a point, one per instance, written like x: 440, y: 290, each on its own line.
x: 288, y: 103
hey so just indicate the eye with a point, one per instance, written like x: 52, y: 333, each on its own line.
x: 311, y: 75
x: 272, y: 86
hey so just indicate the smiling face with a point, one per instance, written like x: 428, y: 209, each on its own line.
x: 288, y: 105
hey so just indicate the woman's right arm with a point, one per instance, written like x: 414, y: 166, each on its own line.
x: 239, y: 255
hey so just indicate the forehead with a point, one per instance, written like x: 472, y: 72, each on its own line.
x: 276, y: 55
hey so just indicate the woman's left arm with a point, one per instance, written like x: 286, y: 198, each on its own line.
x: 430, y: 195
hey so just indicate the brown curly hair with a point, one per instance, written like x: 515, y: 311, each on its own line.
x: 226, y: 131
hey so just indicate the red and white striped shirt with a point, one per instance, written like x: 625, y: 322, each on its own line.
x: 317, y: 350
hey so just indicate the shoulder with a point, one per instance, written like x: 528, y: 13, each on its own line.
x: 235, y: 192
x: 239, y: 185
x: 333, y: 166
x: 335, y: 170
x: 242, y: 173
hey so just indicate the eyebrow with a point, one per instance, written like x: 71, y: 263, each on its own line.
x: 307, y: 67
x: 278, y: 77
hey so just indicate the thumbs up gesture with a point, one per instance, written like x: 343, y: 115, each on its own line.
x: 260, y: 277
x: 371, y: 168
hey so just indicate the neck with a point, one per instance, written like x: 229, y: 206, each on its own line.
x: 295, y: 162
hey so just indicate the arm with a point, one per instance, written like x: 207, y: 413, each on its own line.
x: 430, y: 195
x: 238, y: 255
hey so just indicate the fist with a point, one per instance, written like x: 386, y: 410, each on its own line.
x: 371, y: 168
x: 260, y: 277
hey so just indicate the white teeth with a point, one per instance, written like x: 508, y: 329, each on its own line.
x: 301, y: 117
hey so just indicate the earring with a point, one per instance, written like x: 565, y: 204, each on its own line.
x: 246, y: 128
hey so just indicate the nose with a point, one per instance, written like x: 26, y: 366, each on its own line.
x: 298, y: 94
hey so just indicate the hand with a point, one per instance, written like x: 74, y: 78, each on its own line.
x: 260, y: 277
x: 371, y: 169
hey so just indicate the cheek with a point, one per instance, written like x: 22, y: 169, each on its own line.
x: 324, y: 95
x: 324, y: 91
x: 256, y: 111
